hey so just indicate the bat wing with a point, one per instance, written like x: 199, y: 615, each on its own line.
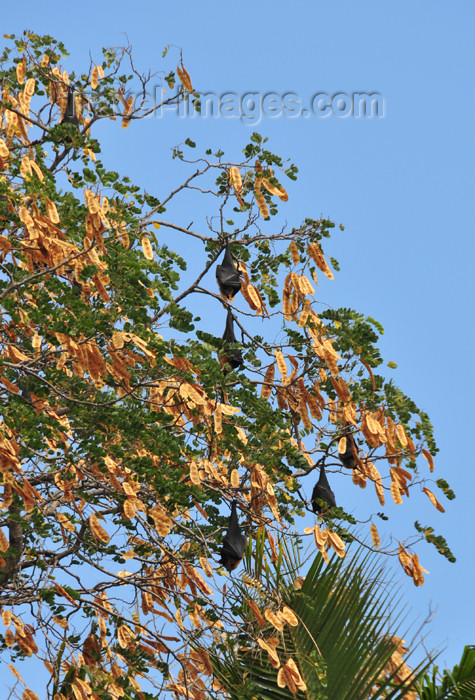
x: 348, y: 457
x: 234, y: 547
x: 232, y: 551
x: 322, y: 492
x: 234, y: 542
x: 228, y: 276
x: 233, y: 356
x: 70, y: 116
x: 229, y: 330
x: 228, y: 281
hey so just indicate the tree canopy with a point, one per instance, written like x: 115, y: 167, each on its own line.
x: 129, y: 426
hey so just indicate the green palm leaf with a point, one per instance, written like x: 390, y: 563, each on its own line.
x: 457, y: 684
x: 347, y: 613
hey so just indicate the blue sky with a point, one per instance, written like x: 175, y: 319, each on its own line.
x: 401, y: 184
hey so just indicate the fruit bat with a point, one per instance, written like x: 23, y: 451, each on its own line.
x: 234, y: 542
x: 233, y: 357
x: 348, y: 457
x: 322, y: 493
x: 4, y: 208
x: 227, y: 276
x: 70, y: 116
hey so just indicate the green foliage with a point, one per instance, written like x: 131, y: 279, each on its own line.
x: 453, y: 684
x: 438, y: 541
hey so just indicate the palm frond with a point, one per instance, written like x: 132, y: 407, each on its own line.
x: 348, y: 614
x: 455, y: 684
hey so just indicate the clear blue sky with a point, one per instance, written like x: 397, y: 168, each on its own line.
x: 402, y: 185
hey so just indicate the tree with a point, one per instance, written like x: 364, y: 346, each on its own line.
x: 128, y: 426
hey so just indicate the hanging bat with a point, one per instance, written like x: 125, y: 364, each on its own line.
x: 322, y: 493
x: 348, y: 458
x: 227, y: 276
x: 233, y: 356
x: 70, y: 116
x: 4, y: 209
x: 234, y: 542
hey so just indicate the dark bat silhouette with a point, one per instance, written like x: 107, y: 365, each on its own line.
x: 70, y: 116
x: 227, y: 276
x: 322, y: 493
x: 234, y: 542
x: 233, y: 356
x: 348, y: 457
x: 4, y: 209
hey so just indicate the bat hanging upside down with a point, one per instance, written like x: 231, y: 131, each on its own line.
x: 232, y: 356
x: 228, y: 276
x: 234, y: 542
x: 322, y: 493
x: 348, y: 458
x: 70, y: 116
